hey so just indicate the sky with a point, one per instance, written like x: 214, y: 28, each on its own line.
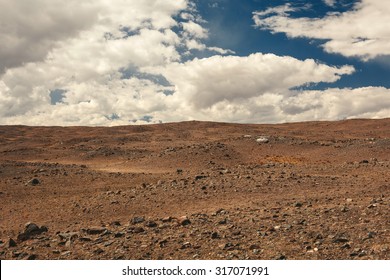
x: 121, y: 62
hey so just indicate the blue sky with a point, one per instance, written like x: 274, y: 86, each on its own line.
x: 251, y: 61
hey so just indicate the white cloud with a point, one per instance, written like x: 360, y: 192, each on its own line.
x: 205, y: 82
x: 119, y: 61
x: 330, y: 3
x: 73, y: 45
x: 194, y: 30
x: 362, y: 32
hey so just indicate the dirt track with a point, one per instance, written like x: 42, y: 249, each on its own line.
x: 317, y: 190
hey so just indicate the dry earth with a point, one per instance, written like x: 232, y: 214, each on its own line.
x: 196, y: 190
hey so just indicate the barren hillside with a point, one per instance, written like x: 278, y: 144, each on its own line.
x: 196, y: 190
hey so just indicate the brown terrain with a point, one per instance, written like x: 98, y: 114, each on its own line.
x: 196, y: 190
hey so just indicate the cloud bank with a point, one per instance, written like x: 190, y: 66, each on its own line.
x: 361, y: 32
x: 121, y: 62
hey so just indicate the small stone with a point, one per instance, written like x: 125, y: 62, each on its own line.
x: 137, y: 220
x: 33, y: 182
x: 186, y: 245
x: 11, y: 243
x: 362, y: 253
x: 30, y: 230
x: 108, y: 243
x: 215, y: 235
x: 85, y: 239
x: 298, y: 204
x: 371, y: 235
x: 281, y: 257
x: 262, y: 139
x: 95, y: 230
x: 200, y: 177
x: 163, y: 243
x: 167, y: 219
x: 119, y: 234
x: 136, y: 230
x: 254, y: 247
x: 98, y: 251
x: 151, y: 224
x: 32, y: 257
x: 349, y: 200
x: 340, y: 239
x: 68, y: 235
x: 184, y: 221
x: 346, y: 246
x: 364, y: 161
x: 68, y: 243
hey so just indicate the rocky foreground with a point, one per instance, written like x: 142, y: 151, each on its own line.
x: 196, y: 190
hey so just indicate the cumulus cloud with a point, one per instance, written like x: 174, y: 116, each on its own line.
x: 28, y: 31
x: 118, y: 62
x: 361, y: 32
x: 204, y: 82
x: 52, y: 45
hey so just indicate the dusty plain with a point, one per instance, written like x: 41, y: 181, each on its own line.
x: 196, y: 190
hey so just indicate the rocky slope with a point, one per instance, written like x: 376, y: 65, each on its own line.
x: 196, y: 190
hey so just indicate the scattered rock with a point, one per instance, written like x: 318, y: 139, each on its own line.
x: 85, y: 239
x: 32, y: 257
x: 281, y: 257
x: 167, y: 219
x: 137, y: 220
x: 340, y: 239
x: 12, y: 243
x: 254, y: 247
x: 33, y: 182
x: 262, y: 139
x: 95, y: 230
x: 186, y: 245
x: 119, y: 234
x: 136, y: 229
x: 298, y: 204
x: 98, y: 251
x: 215, y: 235
x: 31, y: 229
x: 151, y: 224
x: 68, y: 235
x: 184, y: 221
x: 228, y: 246
x: 200, y: 177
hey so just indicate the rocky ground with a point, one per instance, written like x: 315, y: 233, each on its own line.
x: 196, y: 190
